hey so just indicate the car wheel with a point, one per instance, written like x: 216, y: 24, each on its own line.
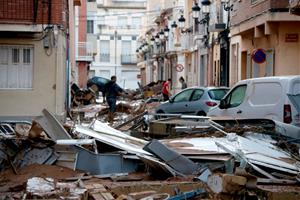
x: 201, y: 113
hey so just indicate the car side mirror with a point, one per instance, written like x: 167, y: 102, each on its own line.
x: 171, y: 100
x: 223, y: 104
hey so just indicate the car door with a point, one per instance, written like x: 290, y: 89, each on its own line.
x: 181, y: 102
x: 234, y: 103
x: 195, y: 102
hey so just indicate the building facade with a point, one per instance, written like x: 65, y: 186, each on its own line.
x: 33, y: 58
x: 269, y: 27
x: 116, y: 25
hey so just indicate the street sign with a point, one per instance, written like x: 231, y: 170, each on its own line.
x: 179, y: 67
x: 259, y: 56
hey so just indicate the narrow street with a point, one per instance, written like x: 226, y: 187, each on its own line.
x: 144, y: 100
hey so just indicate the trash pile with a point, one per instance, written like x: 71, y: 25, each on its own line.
x: 213, y: 160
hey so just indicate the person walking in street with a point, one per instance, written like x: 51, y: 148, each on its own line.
x: 183, y: 83
x: 112, y: 91
x: 166, y: 90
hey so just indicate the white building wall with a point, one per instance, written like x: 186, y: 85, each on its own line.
x: 127, y: 75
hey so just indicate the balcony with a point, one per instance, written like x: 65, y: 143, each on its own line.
x: 92, y: 38
x: 104, y: 57
x: 130, y: 59
x: 84, y: 51
x: 187, y: 42
x: 17, y: 11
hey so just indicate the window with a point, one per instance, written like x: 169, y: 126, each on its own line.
x: 104, y: 50
x: 15, y: 56
x: 122, y: 21
x: 236, y: 97
x: 101, y: 20
x: 217, y: 94
x: 126, y: 52
x: 26, y: 56
x: 16, y: 66
x: 136, y: 22
x: 90, y: 26
x: 197, y: 95
x: 183, y: 96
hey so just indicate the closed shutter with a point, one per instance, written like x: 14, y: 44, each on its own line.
x: 270, y: 62
x: 16, y: 67
x: 249, y: 66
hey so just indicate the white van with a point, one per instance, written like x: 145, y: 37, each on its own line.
x: 276, y: 97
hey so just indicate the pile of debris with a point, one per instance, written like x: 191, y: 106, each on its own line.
x: 96, y: 161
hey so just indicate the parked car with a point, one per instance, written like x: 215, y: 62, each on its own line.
x: 276, y: 98
x: 195, y: 100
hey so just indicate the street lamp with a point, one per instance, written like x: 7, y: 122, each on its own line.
x: 152, y: 40
x: 227, y: 6
x: 161, y: 34
x: 157, y: 40
x: 196, y: 11
x: 166, y: 31
x: 181, y: 21
x: 174, y: 26
x: 145, y: 47
x: 205, y: 6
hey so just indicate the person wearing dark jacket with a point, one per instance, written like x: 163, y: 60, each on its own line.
x: 183, y: 83
x: 112, y: 91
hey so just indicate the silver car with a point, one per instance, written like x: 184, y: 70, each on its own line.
x: 193, y: 101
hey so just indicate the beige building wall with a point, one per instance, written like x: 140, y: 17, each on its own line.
x: 48, y: 88
x: 286, y: 55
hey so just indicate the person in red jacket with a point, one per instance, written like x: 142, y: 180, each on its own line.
x: 166, y: 89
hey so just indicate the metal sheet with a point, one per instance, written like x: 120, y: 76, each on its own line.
x: 195, y: 146
x: 107, y: 130
x: 176, y: 161
x: 263, y: 152
x: 52, y: 126
x: 35, y: 155
x: 117, y: 142
x: 156, y: 164
x: 98, y: 164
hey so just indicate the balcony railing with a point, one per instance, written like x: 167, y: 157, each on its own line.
x: 104, y: 57
x: 187, y: 42
x: 84, y: 51
x: 128, y: 59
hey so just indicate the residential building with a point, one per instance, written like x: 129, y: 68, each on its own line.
x: 166, y: 44
x: 85, y: 40
x: 264, y: 40
x: 117, y: 24
x: 33, y: 46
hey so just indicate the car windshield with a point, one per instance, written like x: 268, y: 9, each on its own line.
x: 217, y: 94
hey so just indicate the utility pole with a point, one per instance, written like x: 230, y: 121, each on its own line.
x: 116, y: 34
